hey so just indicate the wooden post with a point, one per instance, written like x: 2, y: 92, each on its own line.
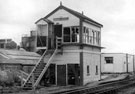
x: 21, y: 79
x: 133, y: 64
x: 33, y: 82
x: 81, y: 53
x: 81, y: 68
x: 100, y: 66
x: 66, y: 74
x: 127, y: 62
x: 56, y: 73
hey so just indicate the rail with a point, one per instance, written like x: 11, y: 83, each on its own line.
x: 47, y: 64
x: 22, y: 75
x: 100, y: 89
x: 35, y: 67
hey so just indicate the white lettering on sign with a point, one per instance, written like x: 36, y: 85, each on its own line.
x: 61, y: 18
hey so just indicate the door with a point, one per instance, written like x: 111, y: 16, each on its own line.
x: 58, y: 30
x: 73, y: 74
x: 61, y: 75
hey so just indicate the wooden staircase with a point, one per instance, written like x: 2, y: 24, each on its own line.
x: 41, y: 67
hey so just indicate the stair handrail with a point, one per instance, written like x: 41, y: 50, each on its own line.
x: 20, y: 72
x: 24, y: 73
x: 47, y: 65
x: 45, y: 68
x: 34, y: 67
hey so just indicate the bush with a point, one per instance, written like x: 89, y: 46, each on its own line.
x: 8, y: 78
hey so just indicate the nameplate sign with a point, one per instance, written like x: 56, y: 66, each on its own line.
x: 61, y: 19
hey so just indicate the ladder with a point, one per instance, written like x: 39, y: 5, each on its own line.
x: 59, y: 42
x: 41, y: 67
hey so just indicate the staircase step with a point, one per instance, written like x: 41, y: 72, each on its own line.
x: 39, y: 68
x: 27, y: 88
x: 38, y: 71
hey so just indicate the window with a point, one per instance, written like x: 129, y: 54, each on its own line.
x: 94, y: 36
x: 84, y: 36
x: 98, y: 38
x: 41, y: 41
x: 109, y: 60
x: 96, y: 70
x: 2, y: 45
x: 75, y: 34
x: 91, y: 36
x: 66, y: 34
x: 71, y: 34
x: 87, y: 35
x: 42, y: 30
x: 88, y: 70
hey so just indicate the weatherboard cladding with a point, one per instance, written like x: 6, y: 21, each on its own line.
x: 79, y: 15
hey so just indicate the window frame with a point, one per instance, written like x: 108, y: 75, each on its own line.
x: 110, y: 59
x: 88, y: 70
x: 91, y: 36
x: 96, y: 70
x: 71, y: 34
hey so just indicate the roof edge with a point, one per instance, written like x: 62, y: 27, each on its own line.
x: 75, y: 13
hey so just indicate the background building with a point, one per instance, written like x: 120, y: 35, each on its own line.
x: 18, y: 60
x: 117, y: 63
x: 7, y: 44
x: 29, y: 42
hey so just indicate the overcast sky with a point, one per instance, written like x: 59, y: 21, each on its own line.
x: 17, y: 17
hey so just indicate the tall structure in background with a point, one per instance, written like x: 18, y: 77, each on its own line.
x: 29, y: 42
x: 7, y: 44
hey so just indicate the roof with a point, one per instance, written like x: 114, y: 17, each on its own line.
x: 19, y: 57
x: 80, y: 15
x: 18, y: 53
x: 5, y: 40
x: 117, y: 53
x: 23, y: 62
x: 46, y: 20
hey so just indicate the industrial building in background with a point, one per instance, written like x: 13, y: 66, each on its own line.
x: 18, y: 60
x: 29, y: 42
x: 7, y: 44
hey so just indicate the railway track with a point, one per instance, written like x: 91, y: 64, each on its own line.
x: 105, y: 88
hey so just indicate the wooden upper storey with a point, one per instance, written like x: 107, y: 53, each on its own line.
x: 72, y: 26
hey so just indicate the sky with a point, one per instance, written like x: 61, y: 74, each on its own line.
x: 18, y: 17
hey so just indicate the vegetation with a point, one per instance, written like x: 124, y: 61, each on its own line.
x: 8, y: 78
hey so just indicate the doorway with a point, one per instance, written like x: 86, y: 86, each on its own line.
x: 48, y: 78
x: 73, y: 74
x: 57, y: 32
x: 61, y: 75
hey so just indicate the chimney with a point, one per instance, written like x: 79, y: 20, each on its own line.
x: 82, y: 12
